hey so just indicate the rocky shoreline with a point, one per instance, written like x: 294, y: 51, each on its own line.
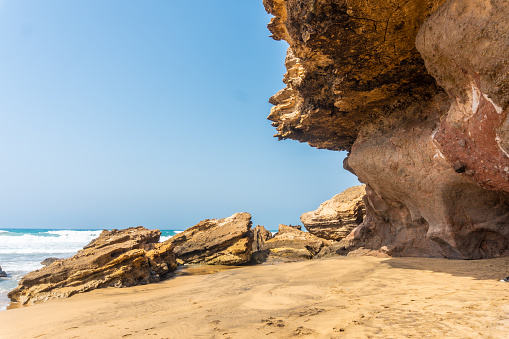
x: 134, y: 256
x: 417, y: 93
x: 424, y: 122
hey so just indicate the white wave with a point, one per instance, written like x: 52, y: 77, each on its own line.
x: 56, y: 242
x: 76, y: 235
x: 164, y: 238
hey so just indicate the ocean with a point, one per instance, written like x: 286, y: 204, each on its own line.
x: 22, y: 250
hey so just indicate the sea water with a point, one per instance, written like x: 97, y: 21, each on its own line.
x: 22, y: 250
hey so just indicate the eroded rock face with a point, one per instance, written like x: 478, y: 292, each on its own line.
x: 260, y: 236
x: 472, y: 65
x: 290, y: 242
x: 349, y: 62
x: 417, y: 205
x: 425, y: 128
x: 337, y: 217
x: 225, y: 241
x: 117, y: 258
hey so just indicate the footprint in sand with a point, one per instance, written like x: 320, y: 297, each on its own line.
x: 301, y: 330
x: 216, y: 325
x: 308, y: 312
x: 271, y: 321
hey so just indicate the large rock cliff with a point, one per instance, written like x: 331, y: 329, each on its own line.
x: 417, y: 92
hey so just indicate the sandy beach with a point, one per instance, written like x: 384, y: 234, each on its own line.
x: 347, y: 297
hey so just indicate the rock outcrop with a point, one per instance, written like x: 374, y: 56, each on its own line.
x: 48, y: 261
x: 260, y: 237
x: 337, y: 217
x: 425, y: 127
x: 225, y: 241
x: 290, y: 242
x: 117, y: 258
x: 2, y: 273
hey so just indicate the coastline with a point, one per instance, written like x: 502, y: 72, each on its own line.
x: 344, y: 297
x: 22, y: 250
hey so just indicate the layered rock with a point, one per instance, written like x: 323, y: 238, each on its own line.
x: 349, y: 62
x: 290, y: 242
x: 337, y: 217
x: 426, y: 129
x: 225, y: 241
x: 117, y: 258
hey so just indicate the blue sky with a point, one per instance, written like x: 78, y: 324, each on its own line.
x: 122, y: 113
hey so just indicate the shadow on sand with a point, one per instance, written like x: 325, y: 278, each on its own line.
x: 485, y: 269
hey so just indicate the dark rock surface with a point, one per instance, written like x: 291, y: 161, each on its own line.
x: 260, y: 237
x: 2, y: 273
x: 117, y: 258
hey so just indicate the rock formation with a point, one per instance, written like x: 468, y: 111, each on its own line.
x: 260, y: 237
x: 48, y: 261
x: 2, y: 273
x: 117, y: 258
x: 225, y: 241
x: 290, y: 242
x: 425, y: 127
x: 337, y: 217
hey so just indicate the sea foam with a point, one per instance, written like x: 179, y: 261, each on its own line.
x: 22, y: 250
x: 65, y: 241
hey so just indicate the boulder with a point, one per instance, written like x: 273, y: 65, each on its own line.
x: 117, y: 258
x: 225, y: 241
x: 292, y: 243
x: 48, y: 261
x: 2, y: 273
x: 337, y: 217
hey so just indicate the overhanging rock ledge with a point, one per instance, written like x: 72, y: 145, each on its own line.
x: 425, y: 127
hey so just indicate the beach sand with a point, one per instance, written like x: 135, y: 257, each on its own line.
x: 346, y: 297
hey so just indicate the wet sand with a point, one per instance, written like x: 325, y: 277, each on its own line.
x: 348, y: 297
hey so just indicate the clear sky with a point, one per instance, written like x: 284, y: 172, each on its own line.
x: 121, y: 113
